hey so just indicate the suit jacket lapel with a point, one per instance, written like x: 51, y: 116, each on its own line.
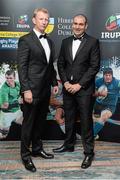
x: 38, y: 43
x: 81, y: 46
x: 36, y: 40
x: 79, y: 49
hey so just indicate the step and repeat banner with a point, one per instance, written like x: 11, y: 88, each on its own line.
x: 104, y: 24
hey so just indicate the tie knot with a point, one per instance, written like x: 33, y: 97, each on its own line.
x: 42, y: 36
x: 78, y: 38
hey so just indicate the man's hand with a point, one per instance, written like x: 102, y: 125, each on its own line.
x: 28, y: 96
x: 75, y: 88
x: 72, y: 88
x: 102, y: 93
x: 59, y: 116
x: 5, y: 105
x: 67, y: 86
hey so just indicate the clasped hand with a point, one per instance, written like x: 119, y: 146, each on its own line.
x: 72, y: 88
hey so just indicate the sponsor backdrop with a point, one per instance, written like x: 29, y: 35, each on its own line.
x: 104, y: 24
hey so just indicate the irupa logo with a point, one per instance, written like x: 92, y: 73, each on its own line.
x: 112, y: 26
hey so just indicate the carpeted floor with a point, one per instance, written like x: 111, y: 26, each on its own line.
x: 64, y: 166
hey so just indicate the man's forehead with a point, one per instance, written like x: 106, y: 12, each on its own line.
x: 80, y: 17
x: 108, y: 74
x: 9, y: 75
x: 79, y: 20
x: 42, y: 14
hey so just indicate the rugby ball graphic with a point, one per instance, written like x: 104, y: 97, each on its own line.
x: 100, y: 90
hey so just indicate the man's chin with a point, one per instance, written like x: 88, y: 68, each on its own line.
x: 108, y: 81
x: 78, y: 34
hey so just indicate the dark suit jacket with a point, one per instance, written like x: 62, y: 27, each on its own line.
x: 85, y: 65
x: 35, y: 73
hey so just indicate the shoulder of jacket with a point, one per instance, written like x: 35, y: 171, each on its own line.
x: 99, y: 80
x: 26, y: 36
x: 17, y: 83
x: 5, y: 87
x: 48, y: 37
x: 67, y: 39
x: 91, y: 37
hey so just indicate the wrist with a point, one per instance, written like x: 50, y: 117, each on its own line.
x: 27, y: 91
x: 67, y: 82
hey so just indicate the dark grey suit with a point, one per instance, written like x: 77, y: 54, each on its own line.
x: 81, y: 70
x: 37, y: 75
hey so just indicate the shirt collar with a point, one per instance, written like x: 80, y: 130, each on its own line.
x: 37, y: 33
x: 80, y: 36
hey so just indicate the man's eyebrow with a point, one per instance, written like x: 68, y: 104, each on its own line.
x: 78, y: 23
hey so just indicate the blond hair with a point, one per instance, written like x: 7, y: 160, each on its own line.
x: 38, y: 10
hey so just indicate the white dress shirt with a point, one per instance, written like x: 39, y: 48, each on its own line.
x: 75, y: 46
x: 44, y: 43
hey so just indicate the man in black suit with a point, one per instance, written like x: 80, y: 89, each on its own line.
x: 78, y: 64
x: 36, y: 73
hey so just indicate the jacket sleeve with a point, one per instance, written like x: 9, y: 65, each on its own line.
x: 54, y: 73
x: 54, y: 79
x: 94, y: 66
x: 23, y: 64
x: 61, y: 64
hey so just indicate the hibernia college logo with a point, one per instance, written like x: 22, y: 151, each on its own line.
x: 113, y: 22
x: 50, y: 26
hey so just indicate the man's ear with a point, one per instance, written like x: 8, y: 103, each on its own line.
x: 33, y: 20
x: 86, y: 26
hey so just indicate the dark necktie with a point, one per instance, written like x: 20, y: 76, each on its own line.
x: 42, y: 36
x: 77, y: 38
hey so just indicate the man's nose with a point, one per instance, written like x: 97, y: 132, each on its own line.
x: 44, y: 21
